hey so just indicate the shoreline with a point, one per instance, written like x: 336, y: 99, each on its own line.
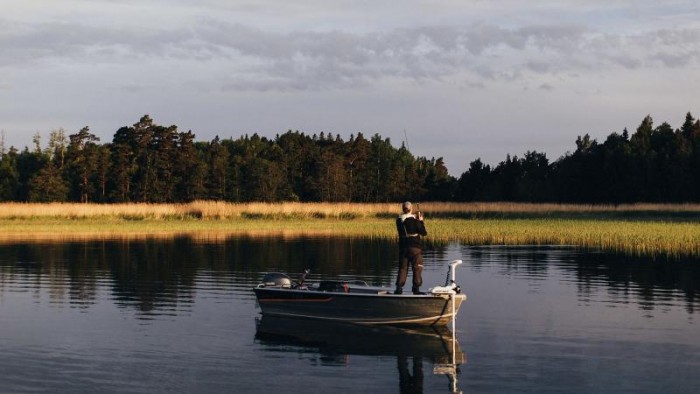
x: 637, y: 237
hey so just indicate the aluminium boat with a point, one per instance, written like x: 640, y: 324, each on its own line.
x: 358, y: 303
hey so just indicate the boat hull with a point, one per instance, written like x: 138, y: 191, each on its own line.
x: 367, y: 309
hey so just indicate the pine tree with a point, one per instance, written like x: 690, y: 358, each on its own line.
x: 82, y: 158
x: 48, y: 185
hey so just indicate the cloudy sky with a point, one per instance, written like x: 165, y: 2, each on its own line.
x: 457, y: 79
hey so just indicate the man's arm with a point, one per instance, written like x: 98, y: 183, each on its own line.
x: 416, y: 226
x: 421, y: 228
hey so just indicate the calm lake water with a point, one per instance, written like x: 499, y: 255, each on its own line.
x: 180, y: 316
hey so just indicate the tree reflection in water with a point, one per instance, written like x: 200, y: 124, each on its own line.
x: 160, y: 275
x: 646, y: 281
x: 167, y: 277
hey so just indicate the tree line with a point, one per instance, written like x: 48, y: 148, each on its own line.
x: 147, y: 162
x: 653, y: 164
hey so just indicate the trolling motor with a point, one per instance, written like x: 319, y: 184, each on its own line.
x: 451, y: 287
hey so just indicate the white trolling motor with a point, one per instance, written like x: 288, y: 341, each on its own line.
x: 451, y: 287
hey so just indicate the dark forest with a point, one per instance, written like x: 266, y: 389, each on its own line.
x: 147, y: 162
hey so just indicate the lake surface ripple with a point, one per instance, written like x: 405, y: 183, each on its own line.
x: 179, y: 316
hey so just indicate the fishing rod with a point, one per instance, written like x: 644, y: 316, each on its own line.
x: 406, y: 139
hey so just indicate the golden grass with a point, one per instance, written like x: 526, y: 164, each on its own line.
x: 641, y: 238
x: 446, y: 222
x: 197, y: 209
x: 224, y: 210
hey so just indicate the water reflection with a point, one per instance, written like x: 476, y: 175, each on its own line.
x: 647, y: 282
x: 160, y: 275
x: 177, y: 315
x: 335, y: 342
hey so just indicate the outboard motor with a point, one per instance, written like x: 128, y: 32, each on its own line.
x: 302, y: 278
x: 276, y: 279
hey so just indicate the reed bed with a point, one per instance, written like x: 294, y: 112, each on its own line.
x: 640, y: 229
x: 213, y: 210
x: 639, y: 238
x: 194, y: 210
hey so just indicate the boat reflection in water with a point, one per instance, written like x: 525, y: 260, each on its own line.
x: 435, y: 344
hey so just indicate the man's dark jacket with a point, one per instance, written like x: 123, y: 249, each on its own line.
x: 411, y: 231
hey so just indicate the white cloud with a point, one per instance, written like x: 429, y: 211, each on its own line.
x: 350, y: 66
x: 335, y: 60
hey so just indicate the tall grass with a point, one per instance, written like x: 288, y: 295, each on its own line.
x: 224, y: 210
x: 626, y: 229
x: 632, y: 237
x: 193, y: 210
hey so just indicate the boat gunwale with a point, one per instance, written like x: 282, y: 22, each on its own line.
x: 428, y: 295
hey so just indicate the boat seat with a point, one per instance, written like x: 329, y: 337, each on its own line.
x: 333, y: 285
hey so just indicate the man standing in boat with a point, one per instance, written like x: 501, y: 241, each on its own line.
x: 410, y: 228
